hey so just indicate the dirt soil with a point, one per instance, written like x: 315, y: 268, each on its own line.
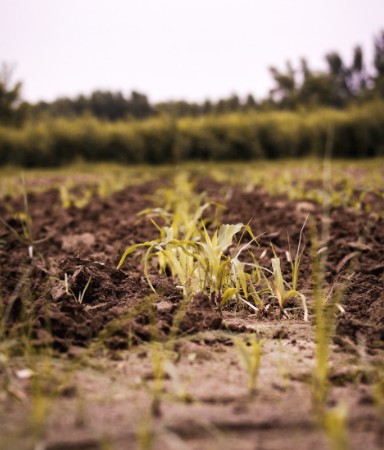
x: 205, y: 400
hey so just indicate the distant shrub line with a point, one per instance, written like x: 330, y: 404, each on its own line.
x: 359, y: 132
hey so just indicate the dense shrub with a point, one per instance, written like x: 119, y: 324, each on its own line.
x: 358, y: 132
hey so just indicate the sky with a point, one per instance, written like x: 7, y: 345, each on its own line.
x: 175, y: 49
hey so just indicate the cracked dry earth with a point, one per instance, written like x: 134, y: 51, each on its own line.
x: 102, y: 397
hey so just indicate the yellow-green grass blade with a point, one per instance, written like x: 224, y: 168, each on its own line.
x: 154, y: 245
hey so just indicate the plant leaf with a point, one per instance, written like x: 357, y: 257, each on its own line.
x: 228, y: 294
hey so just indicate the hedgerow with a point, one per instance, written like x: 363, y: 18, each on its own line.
x: 53, y: 142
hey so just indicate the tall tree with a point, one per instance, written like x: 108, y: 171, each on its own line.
x: 379, y: 64
x: 379, y: 53
x: 9, y: 96
x: 285, y: 88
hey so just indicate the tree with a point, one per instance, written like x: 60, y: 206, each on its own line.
x: 358, y: 76
x: 284, y: 92
x: 250, y: 103
x: 379, y: 53
x: 379, y: 64
x: 339, y: 77
x: 207, y: 107
x: 228, y: 105
x: 9, y: 96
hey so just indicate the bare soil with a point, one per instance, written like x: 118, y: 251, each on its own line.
x: 205, y: 402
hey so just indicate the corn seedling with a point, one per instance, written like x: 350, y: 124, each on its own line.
x: 325, y: 309
x: 201, y: 266
x: 295, y: 264
x: 281, y: 367
x: 281, y: 293
x: 26, y: 223
x: 12, y: 299
x: 145, y: 436
x: 250, y: 358
x: 180, y: 208
x: 158, y: 359
x: 199, y: 261
x: 80, y: 297
x: 158, y: 375
x: 378, y: 392
x: 69, y: 199
x: 324, y: 324
x: 180, y: 391
x: 336, y: 427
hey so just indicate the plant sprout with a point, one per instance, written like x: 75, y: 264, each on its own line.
x: 202, y: 262
x: 26, y: 223
x: 69, y: 291
x: 281, y: 294
x: 250, y: 358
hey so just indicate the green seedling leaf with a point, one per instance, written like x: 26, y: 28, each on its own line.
x: 226, y: 233
x: 239, y: 273
x: 292, y: 293
x: 254, y: 294
x: 175, y: 264
x: 250, y: 358
x: 278, y: 278
x: 221, y: 272
x: 161, y: 230
x: 228, y: 294
x: 131, y: 250
x: 218, y: 204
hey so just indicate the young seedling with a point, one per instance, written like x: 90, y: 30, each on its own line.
x: 69, y: 291
x: 250, y: 358
x: 68, y: 199
x: 158, y: 375
x: 324, y: 324
x: 281, y: 294
x: 180, y: 390
x: 295, y: 264
x: 26, y: 223
x: 81, y: 295
x: 145, y: 436
x: 201, y: 262
x: 336, y: 427
x: 201, y: 266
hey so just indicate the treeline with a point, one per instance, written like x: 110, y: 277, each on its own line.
x: 358, y: 132
x: 302, y: 108
x: 341, y: 85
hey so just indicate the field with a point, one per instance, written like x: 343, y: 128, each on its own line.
x: 252, y: 317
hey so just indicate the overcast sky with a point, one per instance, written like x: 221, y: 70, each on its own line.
x: 173, y: 49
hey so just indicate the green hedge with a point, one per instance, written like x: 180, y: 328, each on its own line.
x: 358, y: 132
